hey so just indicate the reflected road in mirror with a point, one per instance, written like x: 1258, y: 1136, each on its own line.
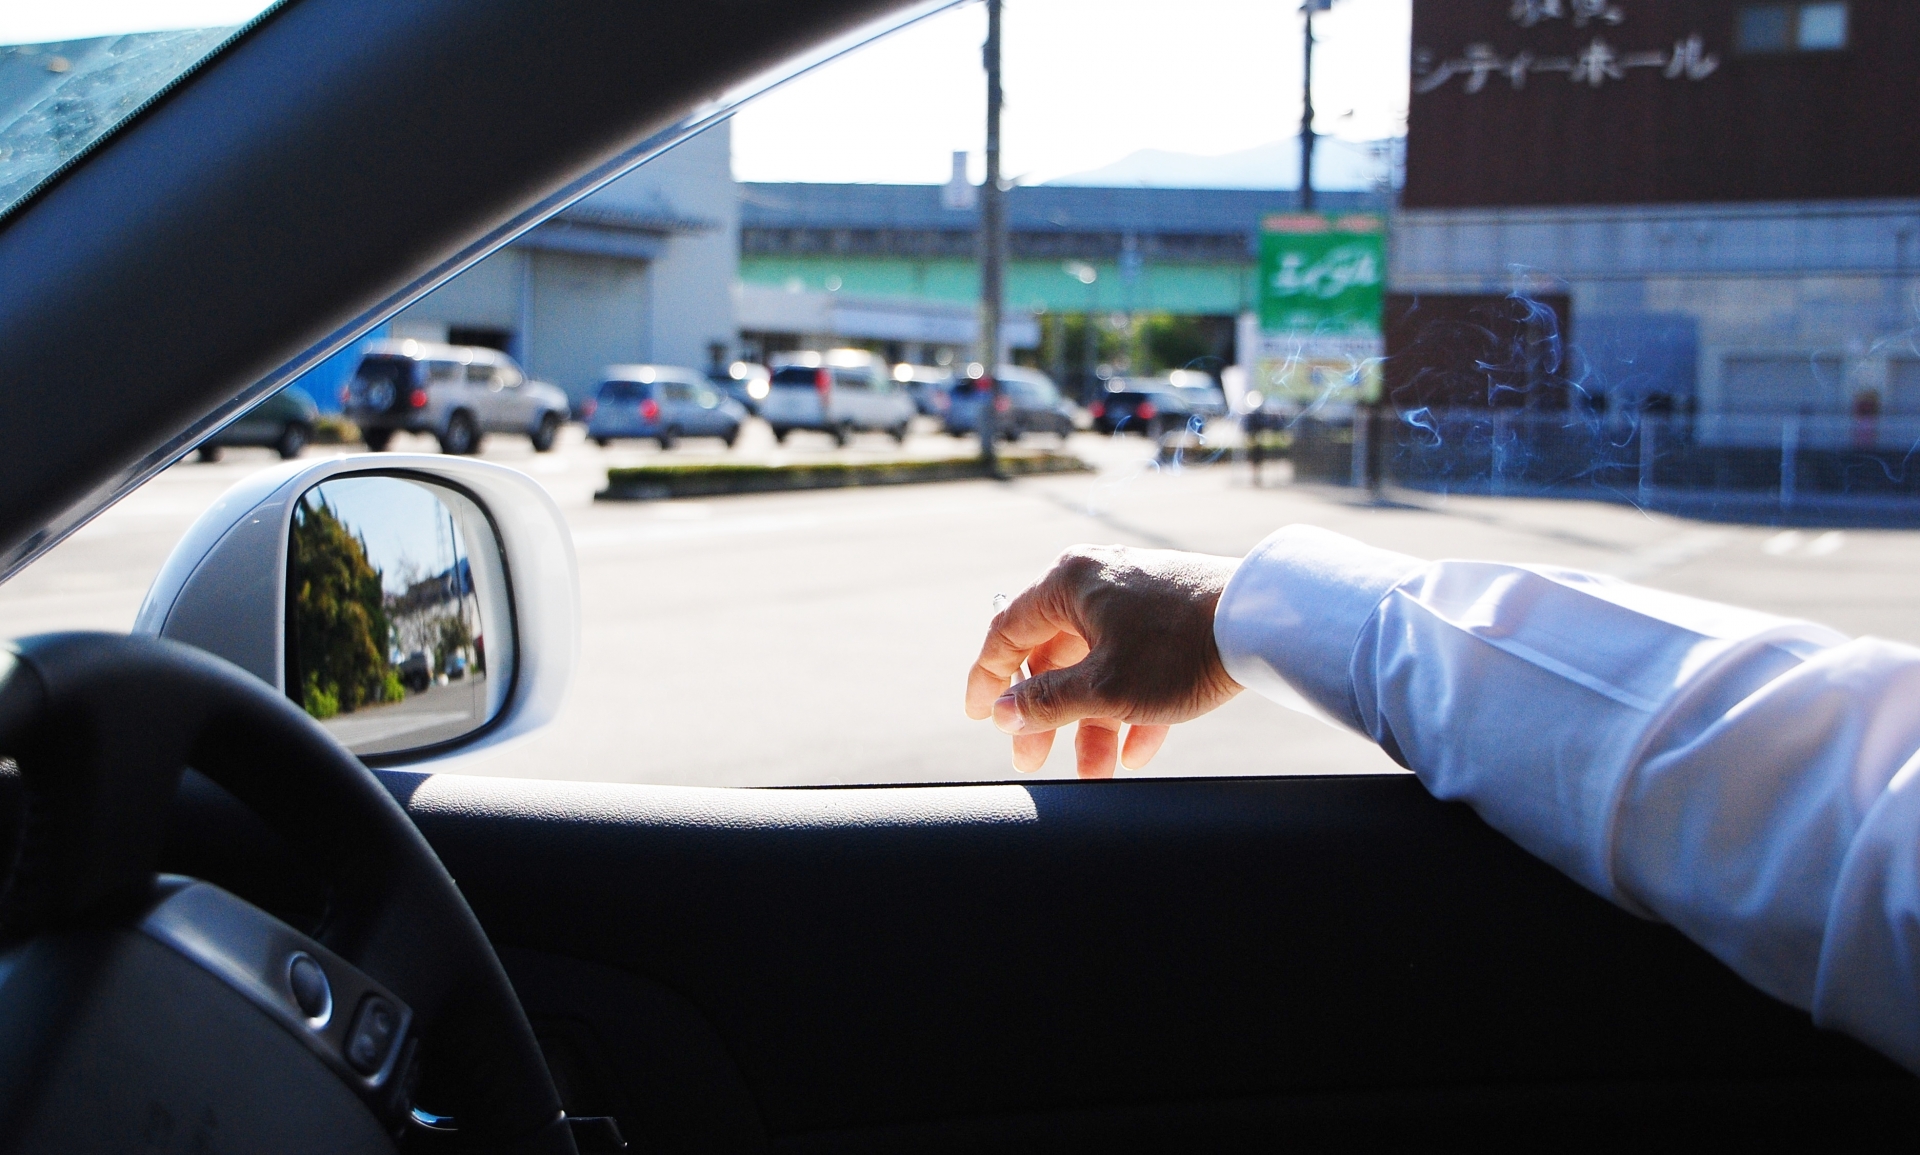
x: 398, y: 632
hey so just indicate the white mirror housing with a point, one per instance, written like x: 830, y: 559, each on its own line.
x: 224, y: 589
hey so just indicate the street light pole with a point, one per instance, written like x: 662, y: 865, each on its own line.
x: 1307, y: 9
x: 993, y: 244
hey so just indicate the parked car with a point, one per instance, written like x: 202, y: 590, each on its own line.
x: 745, y: 382
x: 840, y: 394
x: 661, y: 402
x: 1148, y: 406
x: 1200, y: 390
x: 415, y: 670
x: 1028, y: 403
x: 283, y: 422
x: 928, y: 385
x: 458, y: 393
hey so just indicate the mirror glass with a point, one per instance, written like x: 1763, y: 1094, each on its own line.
x: 398, y: 632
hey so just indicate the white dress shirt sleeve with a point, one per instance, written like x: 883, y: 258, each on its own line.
x: 1750, y: 779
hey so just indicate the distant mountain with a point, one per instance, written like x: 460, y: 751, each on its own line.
x: 1337, y: 165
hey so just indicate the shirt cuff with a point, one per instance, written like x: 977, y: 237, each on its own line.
x: 1290, y: 617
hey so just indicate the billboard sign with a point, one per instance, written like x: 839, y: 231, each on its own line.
x: 1322, y: 291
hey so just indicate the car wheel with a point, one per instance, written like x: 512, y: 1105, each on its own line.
x: 460, y: 438
x: 780, y: 434
x: 293, y: 439
x: 208, y: 453
x: 841, y: 434
x: 603, y: 442
x: 899, y: 433
x: 377, y: 439
x: 732, y: 436
x: 667, y: 437
x: 543, y: 434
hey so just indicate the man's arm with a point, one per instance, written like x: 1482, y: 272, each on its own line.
x: 1750, y: 779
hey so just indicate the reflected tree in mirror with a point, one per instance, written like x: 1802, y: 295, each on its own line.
x: 394, y: 592
x: 339, y: 621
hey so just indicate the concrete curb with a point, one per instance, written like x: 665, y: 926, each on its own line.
x: 659, y: 483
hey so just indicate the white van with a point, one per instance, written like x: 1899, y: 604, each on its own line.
x: 839, y: 393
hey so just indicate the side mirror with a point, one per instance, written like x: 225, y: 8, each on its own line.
x: 415, y: 606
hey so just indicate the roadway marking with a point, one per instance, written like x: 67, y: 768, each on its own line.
x: 1792, y: 540
x: 1781, y: 544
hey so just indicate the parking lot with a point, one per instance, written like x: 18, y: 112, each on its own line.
x: 823, y: 637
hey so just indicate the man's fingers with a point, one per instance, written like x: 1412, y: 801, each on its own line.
x: 1030, y: 750
x: 1048, y: 701
x: 1095, y: 744
x: 1143, y: 742
x: 1029, y: 622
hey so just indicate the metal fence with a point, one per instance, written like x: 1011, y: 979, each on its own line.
x: 1646, y: 458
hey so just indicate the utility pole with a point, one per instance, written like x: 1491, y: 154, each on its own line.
x: 993, y: 245
x: 1307, y: 9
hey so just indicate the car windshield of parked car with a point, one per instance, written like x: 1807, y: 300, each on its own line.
x: 1626, y: 286
x: 72, y: 71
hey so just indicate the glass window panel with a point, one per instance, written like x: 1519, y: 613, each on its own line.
x: 1765, y: 28
x: 1823, y: 27
x: 71, y: 71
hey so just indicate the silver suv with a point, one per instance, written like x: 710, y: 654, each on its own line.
x: 458, y: 393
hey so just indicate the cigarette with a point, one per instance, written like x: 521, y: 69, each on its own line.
x: 1000, y: 604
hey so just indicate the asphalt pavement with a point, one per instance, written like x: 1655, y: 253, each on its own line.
x: 823, y: 637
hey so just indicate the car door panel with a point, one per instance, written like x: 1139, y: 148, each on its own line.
x: 706, y: 410
x: 1106, y: 965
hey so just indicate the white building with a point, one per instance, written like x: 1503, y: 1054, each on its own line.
x: 641, y: 271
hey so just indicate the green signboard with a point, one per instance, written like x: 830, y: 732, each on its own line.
x: 1322, y: 289
x: 1322, y: 275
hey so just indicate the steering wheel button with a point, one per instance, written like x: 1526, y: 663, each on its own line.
x: 372, y: 1036
x: 311, y: 992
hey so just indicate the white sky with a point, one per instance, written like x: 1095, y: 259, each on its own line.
x: 45, y: 21
x: 1086, y: 82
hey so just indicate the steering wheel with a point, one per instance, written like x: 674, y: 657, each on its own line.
x: 139, y: 1010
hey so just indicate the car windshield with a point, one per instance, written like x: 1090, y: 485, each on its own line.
x: 70, y: 72
x: 1622, y: 286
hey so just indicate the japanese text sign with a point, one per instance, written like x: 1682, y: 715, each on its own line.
x: 1322, y: 275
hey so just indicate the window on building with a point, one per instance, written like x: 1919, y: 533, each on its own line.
x: 1823, y: 27
x: 486, y: 337
x: 1768, y: 28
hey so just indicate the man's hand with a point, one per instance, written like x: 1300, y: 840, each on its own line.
x: 1112, y: 635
